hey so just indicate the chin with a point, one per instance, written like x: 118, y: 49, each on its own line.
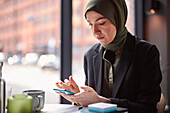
x: 104, y: 43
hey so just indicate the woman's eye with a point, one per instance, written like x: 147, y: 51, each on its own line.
x: 102, y: 23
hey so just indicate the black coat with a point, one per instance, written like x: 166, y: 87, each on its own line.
x: 137, y: 78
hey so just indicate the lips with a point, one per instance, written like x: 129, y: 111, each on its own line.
x: 99, y: 38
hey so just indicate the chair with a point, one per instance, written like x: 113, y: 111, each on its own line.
x: 161, y: 104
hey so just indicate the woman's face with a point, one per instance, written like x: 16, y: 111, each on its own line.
x: 103, y: 29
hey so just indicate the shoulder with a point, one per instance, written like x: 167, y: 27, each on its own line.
x: 95, y: 49
x: 141, y: 45
x: 137, y: 41
x: 146, y: 47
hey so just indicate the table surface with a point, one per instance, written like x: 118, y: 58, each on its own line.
x: 67, y: 108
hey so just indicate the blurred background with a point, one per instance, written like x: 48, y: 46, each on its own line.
x: 30, y: 40
x: 30, y: 43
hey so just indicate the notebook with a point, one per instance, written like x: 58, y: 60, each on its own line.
x: 102, y: 107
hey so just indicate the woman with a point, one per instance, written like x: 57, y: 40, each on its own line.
x: 121, y: 69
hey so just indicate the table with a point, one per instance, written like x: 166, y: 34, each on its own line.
x: 67, y: 108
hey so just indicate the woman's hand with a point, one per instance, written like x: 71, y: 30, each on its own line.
x: 69, y: 85
x: 89, y: 96
x: 68, y: 97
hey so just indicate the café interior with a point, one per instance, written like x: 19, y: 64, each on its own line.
x: 57, y: 30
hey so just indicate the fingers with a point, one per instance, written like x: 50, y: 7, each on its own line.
x: 69, y: 85
x: 62, y: 85
x: 58, y: 85
x: 79, y: 99
x: 87, y: 88
x: 72, y: 82
x: 67, y: 81
x: 70, y: 98
x: 61, y: 94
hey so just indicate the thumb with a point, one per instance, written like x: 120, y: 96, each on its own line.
x: 87, y: 88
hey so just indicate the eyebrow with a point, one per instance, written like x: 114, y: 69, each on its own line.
x: 98, y: 19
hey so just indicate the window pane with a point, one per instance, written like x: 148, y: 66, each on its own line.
x: 131, y: 16
x: 83, y: 38
x: 29, y: 42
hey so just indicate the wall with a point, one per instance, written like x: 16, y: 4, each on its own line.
x: 157, y: 31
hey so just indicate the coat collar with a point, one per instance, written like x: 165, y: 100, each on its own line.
x: 120, y: 73
x: 97, y: 64
x: 124, y: 63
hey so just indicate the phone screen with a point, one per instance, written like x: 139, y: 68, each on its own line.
x: 66, y: 92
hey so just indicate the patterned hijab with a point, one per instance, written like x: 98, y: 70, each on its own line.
x: 116, y: 12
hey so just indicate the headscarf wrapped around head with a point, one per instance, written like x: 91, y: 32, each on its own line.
x: 116, y: 12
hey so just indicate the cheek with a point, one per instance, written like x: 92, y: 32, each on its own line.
x: 111, y: 33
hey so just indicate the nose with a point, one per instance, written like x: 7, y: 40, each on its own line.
x: 95, y: 29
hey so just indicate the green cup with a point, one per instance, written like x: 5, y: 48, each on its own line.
x: 20, y: 103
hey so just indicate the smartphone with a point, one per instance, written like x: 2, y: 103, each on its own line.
x: 66, y: 92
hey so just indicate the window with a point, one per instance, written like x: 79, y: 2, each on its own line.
x: 30, y: 38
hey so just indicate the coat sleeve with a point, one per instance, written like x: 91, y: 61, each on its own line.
x: 149, y: 91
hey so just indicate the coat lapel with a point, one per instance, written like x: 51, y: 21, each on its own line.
x: 97, y: 64
x: 123, y: 65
